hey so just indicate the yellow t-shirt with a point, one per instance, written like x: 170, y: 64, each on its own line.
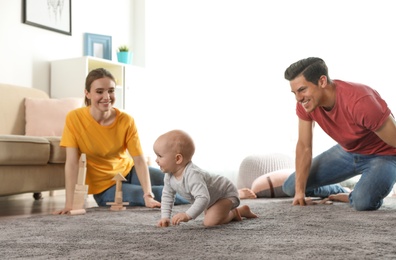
x: 106, y: 147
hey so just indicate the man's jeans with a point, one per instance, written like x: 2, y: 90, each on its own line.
x: 378, y: 175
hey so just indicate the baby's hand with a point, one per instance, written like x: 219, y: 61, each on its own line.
x: 180, y: 217
x: 164, y: 222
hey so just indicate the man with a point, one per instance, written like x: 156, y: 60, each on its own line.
x: 361, y: 123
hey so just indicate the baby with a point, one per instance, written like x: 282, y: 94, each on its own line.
x: 213, y: 194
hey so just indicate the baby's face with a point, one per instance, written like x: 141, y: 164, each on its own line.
x: 166, y: 159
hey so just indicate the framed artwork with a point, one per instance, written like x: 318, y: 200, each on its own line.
x: 97, y: 45
x: 54, y: 15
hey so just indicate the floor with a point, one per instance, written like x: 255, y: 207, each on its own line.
x: 24, y: 205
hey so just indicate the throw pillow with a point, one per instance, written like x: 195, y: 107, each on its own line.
x: 46, y: 117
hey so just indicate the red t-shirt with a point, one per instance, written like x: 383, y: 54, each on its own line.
x: 358, y: 112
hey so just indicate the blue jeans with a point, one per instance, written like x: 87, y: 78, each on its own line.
x: 132, y: 192
x: 378, y: 175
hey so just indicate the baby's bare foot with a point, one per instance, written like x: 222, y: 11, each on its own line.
x: 245, y: 212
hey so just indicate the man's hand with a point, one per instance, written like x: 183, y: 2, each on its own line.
x: 299, y: 199
x: 180, y: 217
x: 164, y: 222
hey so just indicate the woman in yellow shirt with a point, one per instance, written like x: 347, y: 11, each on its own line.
x: 110, y: 140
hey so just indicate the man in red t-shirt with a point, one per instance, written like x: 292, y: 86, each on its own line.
x: 361, y: 123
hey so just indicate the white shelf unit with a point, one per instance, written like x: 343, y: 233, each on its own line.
x: 68, y: 77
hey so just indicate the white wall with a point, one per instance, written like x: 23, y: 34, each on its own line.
x: 216, y: 68
x: 26, y: 51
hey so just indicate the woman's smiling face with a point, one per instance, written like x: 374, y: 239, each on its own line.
x: 102, y: 94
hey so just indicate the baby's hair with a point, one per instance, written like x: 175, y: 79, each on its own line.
x: 182, y: 143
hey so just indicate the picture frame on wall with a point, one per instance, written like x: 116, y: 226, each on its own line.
x: 54, y: 15
x: 97, y: 45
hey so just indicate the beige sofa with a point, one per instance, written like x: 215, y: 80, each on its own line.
x: 27, y: 163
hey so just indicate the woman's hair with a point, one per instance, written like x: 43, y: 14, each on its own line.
x: 311, y: 68
x: 94, y: 75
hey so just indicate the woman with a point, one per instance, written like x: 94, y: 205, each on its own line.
x: 110, y: 140
x: 268, y: 185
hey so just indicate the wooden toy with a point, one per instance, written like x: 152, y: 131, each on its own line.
x: 118, y: 204
x: 81, y: 190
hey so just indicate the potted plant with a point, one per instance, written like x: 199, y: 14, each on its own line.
x: 124, y: 55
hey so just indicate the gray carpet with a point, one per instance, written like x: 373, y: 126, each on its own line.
x: 282, y: 231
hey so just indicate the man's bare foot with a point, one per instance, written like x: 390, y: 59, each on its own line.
x: 311, y: 201
x: 347, y: 189
x: 341, y: 197
x: 246, y: 193
x: 245, y: 212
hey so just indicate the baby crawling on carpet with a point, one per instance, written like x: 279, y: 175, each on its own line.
x: 214, y: 195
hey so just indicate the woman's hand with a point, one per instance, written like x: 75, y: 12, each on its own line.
x: 151, y: 202
x: 62, y: 211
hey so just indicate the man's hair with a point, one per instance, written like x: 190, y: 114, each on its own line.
x: 311, y: 68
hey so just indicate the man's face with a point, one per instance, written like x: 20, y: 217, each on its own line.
x: 307, y: 93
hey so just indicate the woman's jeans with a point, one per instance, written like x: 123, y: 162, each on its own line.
x: 378, y: 175
x: 133, y: 193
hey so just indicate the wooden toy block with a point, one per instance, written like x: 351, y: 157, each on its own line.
x: 118, y: 205
x: 80, y: 190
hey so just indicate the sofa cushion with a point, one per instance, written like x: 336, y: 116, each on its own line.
x: 58, y: 153
x: 46, y: 117
x: 12, y: 117
x: 24, y: 150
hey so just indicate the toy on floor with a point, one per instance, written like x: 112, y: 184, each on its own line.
x: 118, y: 204
x: 81, y: 190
